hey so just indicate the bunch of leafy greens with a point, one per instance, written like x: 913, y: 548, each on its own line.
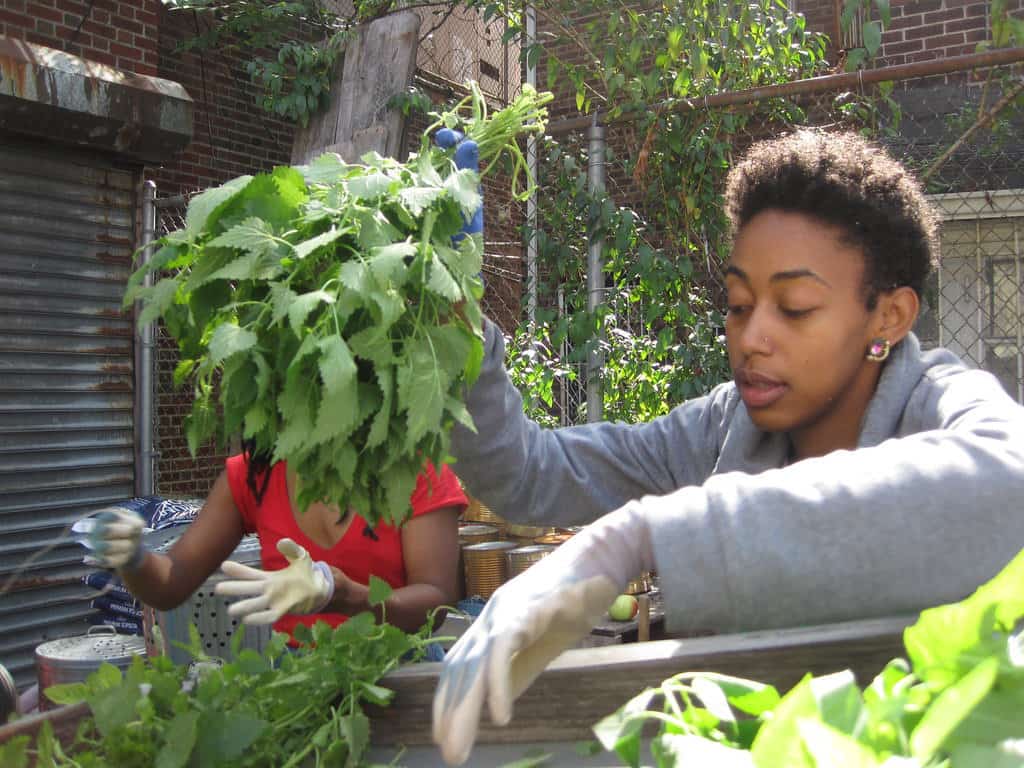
x: 275, y: 709
x: 958, y: 703
x: 330, y: 312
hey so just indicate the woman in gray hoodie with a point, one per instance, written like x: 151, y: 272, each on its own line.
x: 842, y: 474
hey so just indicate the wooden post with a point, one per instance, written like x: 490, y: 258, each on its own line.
x: 377, y: 64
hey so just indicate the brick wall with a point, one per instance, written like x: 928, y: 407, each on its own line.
x: 925, y: 30
x: 119, y: 34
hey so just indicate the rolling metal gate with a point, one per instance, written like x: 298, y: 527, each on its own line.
x: 66, y: 240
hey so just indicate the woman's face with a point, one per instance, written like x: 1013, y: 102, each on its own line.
x: 797, y: 330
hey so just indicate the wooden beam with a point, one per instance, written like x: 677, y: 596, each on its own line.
x: 582, y: 686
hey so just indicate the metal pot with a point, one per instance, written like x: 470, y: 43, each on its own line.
x: 73, y: 659
x: 8, y: 695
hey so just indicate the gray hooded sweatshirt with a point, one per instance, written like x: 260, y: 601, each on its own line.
x: 928, y: 507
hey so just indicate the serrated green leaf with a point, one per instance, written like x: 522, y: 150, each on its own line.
x: 228, y: 339
x: 355, y: 276
x: 252, y: 235
x: 374, y: 345
x: 382, y: 419
x: 201, y: 206
x: 463, y: 186
x: 302, y: 305
x: 421, y: 392
x: 306, y: 247
x: 374, y: 229
x: 391, y: 306
x: 460, y: 413
x: 368, y: 187
x: 418, y: 199
x: 339, y: 411
x: 387, y: 263
x: 329, y: 168
x: 281, y: 298
x: 156, y: 299
x: 442, y: 283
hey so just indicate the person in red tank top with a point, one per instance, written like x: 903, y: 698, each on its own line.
x: 419, y: 560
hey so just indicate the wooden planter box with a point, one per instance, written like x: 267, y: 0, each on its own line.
x: 582, y: 686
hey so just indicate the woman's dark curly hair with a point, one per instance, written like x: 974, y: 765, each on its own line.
x: 844, y: 181
x: 257, y: 470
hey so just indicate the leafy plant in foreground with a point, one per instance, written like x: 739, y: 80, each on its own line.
x: 317, y: 305
x: 957, y: 703
x: 274, y: 709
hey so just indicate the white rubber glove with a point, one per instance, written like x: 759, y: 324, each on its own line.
x: 114, y: 538
x: 304, y: 586
x: 530, y: 620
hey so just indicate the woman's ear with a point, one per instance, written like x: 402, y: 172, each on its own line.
x: 897, y: 313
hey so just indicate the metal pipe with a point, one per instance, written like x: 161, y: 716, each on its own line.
x: 144, y: 359
x: 595, y: 271
x: 999, y: 57
x: 531, y: 165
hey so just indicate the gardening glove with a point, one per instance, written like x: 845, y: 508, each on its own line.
x: 304, y: 586
x: 113, y: 537
x: 530, y: 620
x: 467, y: 155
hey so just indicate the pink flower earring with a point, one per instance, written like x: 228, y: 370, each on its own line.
x: 879, y: 350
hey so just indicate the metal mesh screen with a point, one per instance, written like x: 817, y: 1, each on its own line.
x: 457, y: 45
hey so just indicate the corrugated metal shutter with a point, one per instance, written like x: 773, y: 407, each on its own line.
x: 66, y: 241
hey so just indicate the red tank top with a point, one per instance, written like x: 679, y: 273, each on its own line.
x: 360, y: 552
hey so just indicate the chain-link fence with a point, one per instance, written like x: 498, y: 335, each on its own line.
x: 961, y: 132
x: 457, y: 44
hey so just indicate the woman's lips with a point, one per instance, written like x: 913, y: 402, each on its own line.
x: 758, y: 391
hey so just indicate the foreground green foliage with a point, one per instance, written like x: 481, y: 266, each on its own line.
x: 273, y: 709
x: 316, y: 307
x: 957, y: 703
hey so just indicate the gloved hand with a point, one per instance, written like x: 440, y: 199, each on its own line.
x: 530, y: 620
x: 467, y: 155
x: 304, y: 586
x: 114, y: 538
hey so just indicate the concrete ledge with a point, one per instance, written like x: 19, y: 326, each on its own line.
x: 51, y: 94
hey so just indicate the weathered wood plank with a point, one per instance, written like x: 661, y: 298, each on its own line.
x: 582, y: 686
x: 378, y: 63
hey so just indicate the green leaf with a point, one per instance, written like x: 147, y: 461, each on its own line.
x: 302, y: 305
x: 111, y: 709
x: 442, y: 283
x: 382, y: 420
x: 1002, y: 755
x: 872, y: 37
x: 418, y: 199
x: 379, y: 591
x: 252, y: 235
x: 377, y: 694
x: 951, y: 707
x: 157, y: 299
x: 67, y: 693
x: 369, y: 187
x: 387, y: 263
x: 329, y: 168
x: 179, y: 739
x: 356, y: 731
x: 620, y: 731
x: 281, y: 298
x: 228, y: 339
x: 339, y: 411
x: 421, y: 392
x: 203, y: 205
x: 946, y: 642
x: 463, y: 186
x: 675, y: 749
x: 885, y: 11
x: 306, y: 247
x: 829, y: 746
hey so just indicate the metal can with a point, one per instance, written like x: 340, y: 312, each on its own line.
x: 486, y: 566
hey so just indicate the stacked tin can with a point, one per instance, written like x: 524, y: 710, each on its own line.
x: 493, y: 550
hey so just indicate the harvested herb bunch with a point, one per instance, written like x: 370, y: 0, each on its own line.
x: 329, y: 311
x: 272, y: 709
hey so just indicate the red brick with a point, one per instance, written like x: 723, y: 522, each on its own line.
x: 905, y: 22
x: 944, y: 40
x: 964, y: 25
x: 50, y: 14
x: 950, y: 14
x: 928, y: 30
x: 901, y: 48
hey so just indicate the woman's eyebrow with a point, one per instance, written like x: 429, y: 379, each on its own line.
x: 793, y: 274
x: 790, y: 274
